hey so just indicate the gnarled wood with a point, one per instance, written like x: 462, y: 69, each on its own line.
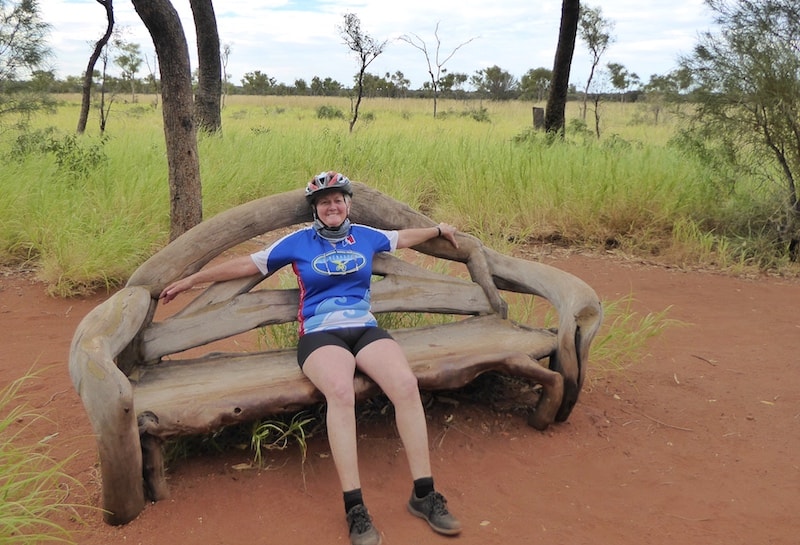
x: 116, y: 358
x: 107, y: 396
x: 579, y: 311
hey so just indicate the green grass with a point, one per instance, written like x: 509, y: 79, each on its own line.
x: 277, y: 434
x: 85, y: 212
x: 623, y: 338
x: 34, y: 487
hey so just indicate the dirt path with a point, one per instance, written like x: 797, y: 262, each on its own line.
x: 697, y: 443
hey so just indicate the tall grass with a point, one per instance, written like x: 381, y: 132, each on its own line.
x: 625, y: 333
x: 34, y: 488
x: 86, y: 211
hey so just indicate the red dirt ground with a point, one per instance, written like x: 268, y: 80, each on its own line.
x: 696, y: 443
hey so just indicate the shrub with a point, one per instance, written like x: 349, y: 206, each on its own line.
x: 329, y: 112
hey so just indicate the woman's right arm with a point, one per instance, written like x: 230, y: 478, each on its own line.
x: 238, y: 267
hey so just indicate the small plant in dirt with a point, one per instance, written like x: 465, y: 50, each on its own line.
x: 278, y: 433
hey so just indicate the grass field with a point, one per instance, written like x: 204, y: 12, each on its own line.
x: 85, y: 211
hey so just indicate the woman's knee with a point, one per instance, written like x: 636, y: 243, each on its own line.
x: 405, y: 387
x: 339, y: 392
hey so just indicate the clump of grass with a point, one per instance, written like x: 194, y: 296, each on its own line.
x: 327, y: 111
x: 277, y: 434
x: 34, y: 489
x: 277, y: 336
x: 623, y: 338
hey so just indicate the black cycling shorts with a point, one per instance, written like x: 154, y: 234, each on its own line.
x: 349, y: 338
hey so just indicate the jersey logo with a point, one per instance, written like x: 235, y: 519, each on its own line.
x: 339, y: 262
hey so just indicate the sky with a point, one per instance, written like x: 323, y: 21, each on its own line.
x: 300, y: 39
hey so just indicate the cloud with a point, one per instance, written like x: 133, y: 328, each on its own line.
x: 300, y: 39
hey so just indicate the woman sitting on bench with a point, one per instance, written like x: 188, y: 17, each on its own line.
x: 339, y: 334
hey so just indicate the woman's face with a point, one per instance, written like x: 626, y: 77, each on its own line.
x: 333, y: 208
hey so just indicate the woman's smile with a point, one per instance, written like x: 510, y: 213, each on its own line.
x: 332, y: 211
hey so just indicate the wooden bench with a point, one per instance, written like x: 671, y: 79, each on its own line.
x: 137, y: 391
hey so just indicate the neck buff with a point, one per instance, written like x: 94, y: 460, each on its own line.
x: 332, y: 234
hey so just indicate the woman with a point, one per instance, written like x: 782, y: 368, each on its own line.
x: 338, y: 335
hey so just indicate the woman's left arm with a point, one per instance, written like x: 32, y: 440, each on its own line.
x: 411, y: 237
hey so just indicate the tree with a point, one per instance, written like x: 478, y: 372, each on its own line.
x: 105, y: 107
x: 209, y: 62
x: 42, y: 81
x: 129, y: 61
x: 88, y: 76
x: 437, y: 72
x: 400, y: 81
x: 151, y: 79
x: 375, y: 86
x: 180, y: 131
x: 621, y: 79
x: 535, y: 83
x: 23, y: 49
x: 495, y: 83
x: 326, y: 87
x: 226, y: 78
x: 257, y: 83
x: 554, y: 121
x: 451, y: 83
x: 665, y: 89
x: 595, y: 31
x: 367, y: 50
x: 748, y: 97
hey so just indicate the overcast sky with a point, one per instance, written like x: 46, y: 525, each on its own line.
x: 300, y: 39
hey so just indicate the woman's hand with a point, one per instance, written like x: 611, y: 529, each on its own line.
x: 417, y: 235
x: 170, y: 292
x: 449, y: 232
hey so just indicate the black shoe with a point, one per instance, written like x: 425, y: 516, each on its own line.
x: 362, y: 532
x: 433, y: 508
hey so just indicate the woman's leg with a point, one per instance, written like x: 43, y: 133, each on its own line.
x: 384, y: 361
x: 331, y: 370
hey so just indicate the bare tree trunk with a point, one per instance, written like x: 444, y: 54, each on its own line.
x: 359, y: 95
x: 596, y: 100
x: 209, y: 88
x: 164, y: 25
x: 559, y: 86
x: 86, y: 91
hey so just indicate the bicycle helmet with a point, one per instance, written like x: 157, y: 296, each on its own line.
x: 325, y: 181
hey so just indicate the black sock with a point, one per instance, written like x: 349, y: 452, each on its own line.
x: 352, y: 498
x: 423, y: 487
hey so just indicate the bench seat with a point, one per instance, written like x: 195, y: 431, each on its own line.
x: 201, y: 395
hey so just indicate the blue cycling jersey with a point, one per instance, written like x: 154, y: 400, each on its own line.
x: 334, y: 279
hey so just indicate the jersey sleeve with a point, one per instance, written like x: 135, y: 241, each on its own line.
x: 393, y: 237
x: 385, y: 240
x: 277, y: 255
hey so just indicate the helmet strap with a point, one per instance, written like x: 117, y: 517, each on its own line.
x: 332, y: 234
